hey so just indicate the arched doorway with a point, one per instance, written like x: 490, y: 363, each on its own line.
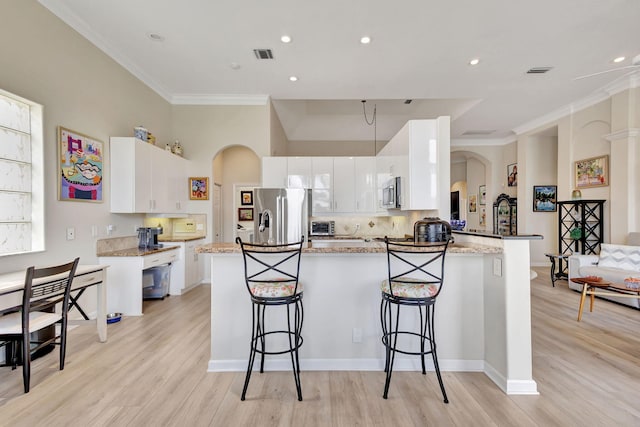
x: 234, y: 167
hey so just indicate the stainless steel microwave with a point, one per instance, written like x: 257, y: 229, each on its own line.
x: 391, y: 194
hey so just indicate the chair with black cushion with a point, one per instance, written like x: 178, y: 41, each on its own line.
x: 415, y: 279
x: 44, y: 288
x: 271, y: 276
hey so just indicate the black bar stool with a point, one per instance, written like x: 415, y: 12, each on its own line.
x: 271, y: 275
x: 415, y: 279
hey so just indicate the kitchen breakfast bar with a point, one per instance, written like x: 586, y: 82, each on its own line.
x: 483, y: 315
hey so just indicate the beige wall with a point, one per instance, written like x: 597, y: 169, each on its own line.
x: 333, y: 148
x: 475, y: 178
x: 278, y: 141
x: 81, y: 89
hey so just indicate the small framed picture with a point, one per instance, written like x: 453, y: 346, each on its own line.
x: 473, y: 202
x: 198, y: 188
x: 512, y: 175
x: 482, y: 191
x: 593, y: 172
x: 246, y: 198
x: 483, y: 216
x: 245, y: 214
x: 545, y: 198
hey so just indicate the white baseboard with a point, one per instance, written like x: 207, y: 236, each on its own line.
x: 348, y: 365
x: 529, y: 387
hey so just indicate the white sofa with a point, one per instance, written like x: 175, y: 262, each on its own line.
x: 615, y: 263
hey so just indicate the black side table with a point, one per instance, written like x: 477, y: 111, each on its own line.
x: 561, y: 274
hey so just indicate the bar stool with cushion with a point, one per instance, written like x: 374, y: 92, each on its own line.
x: 44, y: 288
x: 415, y: 278
x: 271, y: 275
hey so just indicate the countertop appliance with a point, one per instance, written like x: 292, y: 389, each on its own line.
x: 323, y: 228
x: 282, y: 215
x: 392, y: 194
x: 148, y: 237
x: 431, y: 230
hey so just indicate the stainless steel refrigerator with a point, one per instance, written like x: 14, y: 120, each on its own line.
x: 281, y: 215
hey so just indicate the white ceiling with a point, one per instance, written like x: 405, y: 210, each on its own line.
x: 420, y: 50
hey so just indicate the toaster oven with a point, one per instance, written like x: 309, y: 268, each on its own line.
x: 323, y: 228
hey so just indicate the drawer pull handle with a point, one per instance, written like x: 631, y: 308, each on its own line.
x: 90, y: 279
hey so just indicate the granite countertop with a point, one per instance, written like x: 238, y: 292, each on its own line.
x: 135, y: 252
x: 179, y: 239
x: 366, y: 247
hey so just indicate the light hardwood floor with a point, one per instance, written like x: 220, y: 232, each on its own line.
x: 152, y: 372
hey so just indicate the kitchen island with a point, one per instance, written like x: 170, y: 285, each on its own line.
x: 483, y: 320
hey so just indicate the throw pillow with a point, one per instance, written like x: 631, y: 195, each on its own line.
x: 620, y: 256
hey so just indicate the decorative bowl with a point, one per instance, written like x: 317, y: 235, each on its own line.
x: 458, y: 224
x: 632, y: 282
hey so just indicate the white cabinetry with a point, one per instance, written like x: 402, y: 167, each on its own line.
x: 189, y: 268
x: 365, y: 185
x: 145, y: 178
x: 299, y: 172
x: 338, y: 184
x: 322, y: 185
x: 274, y: 172
x: 415, y: 154
x: 344, y: 193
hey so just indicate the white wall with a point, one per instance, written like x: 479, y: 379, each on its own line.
x: 334, y: 148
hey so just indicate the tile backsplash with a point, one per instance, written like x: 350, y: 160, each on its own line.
x: 375, y: 226
x: 194, y: 225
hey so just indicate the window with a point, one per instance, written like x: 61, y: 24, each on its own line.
x: 21, y: 176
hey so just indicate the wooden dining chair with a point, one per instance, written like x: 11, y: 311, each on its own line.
x: 44, y: 288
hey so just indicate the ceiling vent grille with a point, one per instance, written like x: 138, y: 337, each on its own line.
x: 538, y: 70
x: 478, y: 132
x: 408, y: 101
x: 263, y: 53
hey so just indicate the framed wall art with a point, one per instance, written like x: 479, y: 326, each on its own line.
x: 473, y: 203
x: 198, y: 188
x: 80, y: 165
x: 246, y: 198
x: 593, y: 172
x: 482, y: 191
x: 483, y: 216
x: 545, y: 198
x: 512, y: 175
x: 245, y: 214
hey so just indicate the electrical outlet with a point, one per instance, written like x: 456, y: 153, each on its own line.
x: 497, y: 267
x: 110, y: 229
x: 357, y: 335
x: 71, y: 233
x: 94, y: 231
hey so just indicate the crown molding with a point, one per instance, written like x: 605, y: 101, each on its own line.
x: 468, y: 142
x: 623, y: 134
x: 208, y: 99
x: 629, y: 81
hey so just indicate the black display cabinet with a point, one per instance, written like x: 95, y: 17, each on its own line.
x: 580, y: 228
x: 505, y: 218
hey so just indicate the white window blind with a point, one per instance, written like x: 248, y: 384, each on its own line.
x: 21, y: 201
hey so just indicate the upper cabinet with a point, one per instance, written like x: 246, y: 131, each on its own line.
x: 145, y: 178
x: 416, y: 154
x: 338, y: 184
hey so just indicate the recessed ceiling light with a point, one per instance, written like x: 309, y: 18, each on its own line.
x: 285, y: 39
x: 474, y: 61
x: 234, y: 66
x: 365, y: 40
x: 155, y: 37
x: 293, y: 79
x: 619, y: 59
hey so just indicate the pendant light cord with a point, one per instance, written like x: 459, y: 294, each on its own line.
x: 374, y: 123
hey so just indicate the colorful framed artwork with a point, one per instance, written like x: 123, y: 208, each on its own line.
x: 545, y: 198
x: 593, y: 172
x: 512, y: 175
x: 246, y: 198
x: 483, y: 216
x: 245, y: 214
x: 482, y: 191
x: 473, y: 203
x: 198, y: 188
x: 80, y: 165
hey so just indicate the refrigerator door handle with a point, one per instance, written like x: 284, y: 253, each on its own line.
x: 278, y: 220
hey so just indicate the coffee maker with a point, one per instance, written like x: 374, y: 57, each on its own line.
x: 148, y: 237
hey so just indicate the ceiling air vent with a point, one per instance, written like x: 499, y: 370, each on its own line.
x: 478, y: 132
x: 263, y: 53
x: 538, y: 70
x: 408, y: 101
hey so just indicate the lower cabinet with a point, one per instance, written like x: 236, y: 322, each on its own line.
x: 189, y: 267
